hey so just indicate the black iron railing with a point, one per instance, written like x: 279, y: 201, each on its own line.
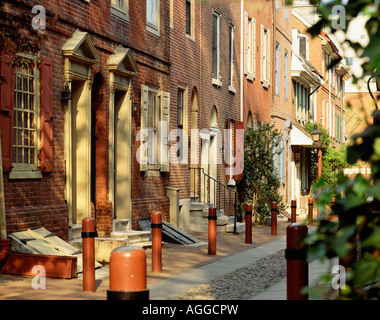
x: 207, y: 189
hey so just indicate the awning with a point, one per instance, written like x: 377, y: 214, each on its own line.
x: 304, y: 71
x: 300, y: 138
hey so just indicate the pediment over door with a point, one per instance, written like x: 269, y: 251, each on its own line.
x: 122, y: 62
x: 80, y: 48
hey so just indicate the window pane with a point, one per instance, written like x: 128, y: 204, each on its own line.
x: 151, y: 11
x: 24, y: 117
x: 214, y: 46
x: 188, y: 15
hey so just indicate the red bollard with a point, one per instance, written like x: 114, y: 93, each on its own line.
x: 294, y: 211
x: 274, y: 218
x: 88, y: 256
x: 128, y: 274
x: 212, y: 230
x: 156, y: 241
x: 248, y: 223
x: 310, y: 211
x: 297, y: 268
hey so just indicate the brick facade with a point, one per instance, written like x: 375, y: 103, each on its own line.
x: 168, y: 59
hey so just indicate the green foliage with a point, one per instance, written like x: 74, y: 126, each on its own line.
x: 260, y: 184
x: 333, y: 160
x: 355, y: 236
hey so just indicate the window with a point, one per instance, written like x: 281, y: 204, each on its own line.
x: 286, y: 12
x: 215, y: 49
x: 153, y: 16
x: 154, y: 133
x: 277, y: 71
x: 25, y: 115
x: 27, y: 119
x: 302, y: 103
x: 250, y: 45
x: 278, y: 5
x: 249, y: 122
x: 338, y: 127
x: 286, y: 75
x: 180, y: 122
x: 305, y: 186
x: 303, y: 43
x: 349, y: 61
x: 325, y: 66
x: 265, y: 56
x: 153, y: 126
x: 188, y: 17
x: 120, y: 8
x: 231, y: 57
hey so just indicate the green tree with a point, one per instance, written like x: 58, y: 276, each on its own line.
x: 260, y: 183
x: 333, y: 160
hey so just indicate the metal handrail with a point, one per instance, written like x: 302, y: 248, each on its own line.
x: 207, y: 193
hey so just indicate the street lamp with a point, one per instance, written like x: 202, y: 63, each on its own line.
x: 316, y: 134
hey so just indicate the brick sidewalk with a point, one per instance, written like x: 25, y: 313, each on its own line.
x: 176, y: 259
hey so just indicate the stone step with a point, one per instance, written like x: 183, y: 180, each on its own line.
x: 75, y: 232
x: 132, y: 235
x: 121, y: 224
x: 204, y: 228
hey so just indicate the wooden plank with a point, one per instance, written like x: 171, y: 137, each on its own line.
x: 54, y: 241
x: 62, y: 246
x: 37, y: 244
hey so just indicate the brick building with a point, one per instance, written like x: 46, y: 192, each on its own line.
x: 317, y: 95
x: 112, y: 55
x: 281, y: 110
x: 155, y: 86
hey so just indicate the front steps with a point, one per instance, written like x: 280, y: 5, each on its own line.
x: 121, y: 236
x: 199, y: 220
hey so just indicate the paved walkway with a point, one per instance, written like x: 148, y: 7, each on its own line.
x: 183, y: 268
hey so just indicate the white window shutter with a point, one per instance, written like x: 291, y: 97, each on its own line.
x: 164, y: 131
x: 144, y: 125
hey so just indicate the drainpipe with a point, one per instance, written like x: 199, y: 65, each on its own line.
x: 3, y: 222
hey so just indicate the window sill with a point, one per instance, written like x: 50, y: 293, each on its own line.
x: 153, y: 29
x: 119, y: 13
x: 152, y: 172
x: 13, y: 175
x: 250, y: 77
x: 231, y: 182
x: 190, y: 37
x: 231, y: 89
x: 216, y: 82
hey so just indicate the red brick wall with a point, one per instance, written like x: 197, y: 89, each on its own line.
x: 258, y: 99
x: 45, y: 197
